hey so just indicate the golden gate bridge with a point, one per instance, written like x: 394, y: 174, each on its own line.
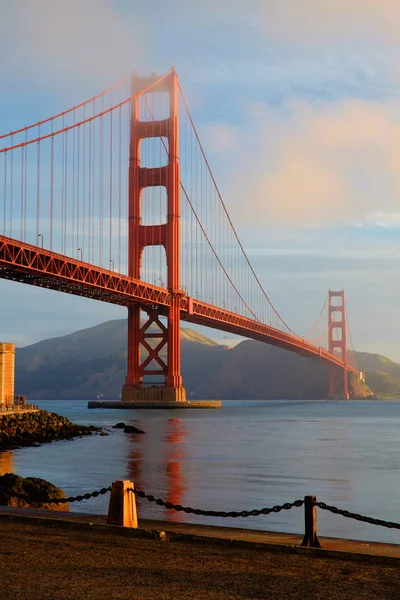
x: 115, y: 200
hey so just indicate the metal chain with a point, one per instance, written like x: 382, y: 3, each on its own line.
x: 67, y: 500
x: 84, y: 497
x: 357, y: 516
x: 221, y: 513
x: 216, y: 513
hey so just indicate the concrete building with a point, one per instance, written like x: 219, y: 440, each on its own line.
x: 7, y: 359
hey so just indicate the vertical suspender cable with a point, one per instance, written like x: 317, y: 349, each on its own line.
x: 21, y: 231
x: 111, y: 189
x: 119, y: 185
x: 78, y: 185
x: 5, y: 194
x: 11, y: 186
x: 90, y: 158
x: 93, y: 244
x: 101, y: 174
x: 25, y: 181
x: 66, y: 193
x: 74, y: 170
x: 83, y: 227
x: 51, y: 186
x: 38, y: 190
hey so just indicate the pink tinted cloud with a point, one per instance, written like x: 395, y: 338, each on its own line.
x: 313, y: 166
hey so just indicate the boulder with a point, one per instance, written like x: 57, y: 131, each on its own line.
x: 132, y: 429
x: 119, y: 426
x: 30, y: 492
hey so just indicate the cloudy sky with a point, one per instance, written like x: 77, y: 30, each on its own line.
x: 297, y: 102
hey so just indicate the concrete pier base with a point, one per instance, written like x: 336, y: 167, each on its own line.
x: 169, y: 405
x: 154, y: 397
x: 153, y: 394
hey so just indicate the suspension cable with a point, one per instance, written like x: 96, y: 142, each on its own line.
x: 316, y: 322
x: 203, y: 230
x: 87, y: 120
x: 228, y: 217
x: 66, y: 112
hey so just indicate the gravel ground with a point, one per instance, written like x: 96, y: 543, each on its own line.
x: 44, y: 563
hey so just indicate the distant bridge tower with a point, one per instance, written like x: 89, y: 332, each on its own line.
x: 153, y: 336
x: 338, y: 388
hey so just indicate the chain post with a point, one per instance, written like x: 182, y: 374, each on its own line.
x: 122, y: 507
x: 310, y: 539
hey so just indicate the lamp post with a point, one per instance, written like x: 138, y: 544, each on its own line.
x: 111, y: 264
x: 40, y: 239
x: 77, y: 253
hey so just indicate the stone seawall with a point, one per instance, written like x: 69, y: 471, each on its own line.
x: 31, y: 428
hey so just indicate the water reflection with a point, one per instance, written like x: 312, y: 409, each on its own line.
x: 174, y: 465
x: 155, y: 464
x: 247, y: 456
x: 6, y: 463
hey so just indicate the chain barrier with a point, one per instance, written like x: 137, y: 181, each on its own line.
x: 221, y: 513
x: 357, y: 516
x: 79, y: 498
x: 263, y: 511
x: 216, y: 513
x: 94, y: 494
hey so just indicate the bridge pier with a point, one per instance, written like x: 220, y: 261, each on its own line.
x: 338, y: 386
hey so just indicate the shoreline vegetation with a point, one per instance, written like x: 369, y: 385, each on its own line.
x: 39, y: 427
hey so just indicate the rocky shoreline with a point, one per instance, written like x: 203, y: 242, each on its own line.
x: 39, y: 427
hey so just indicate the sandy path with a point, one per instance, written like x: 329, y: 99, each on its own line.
x: 50, y: 563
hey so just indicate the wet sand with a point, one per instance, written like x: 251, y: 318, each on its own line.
x: 57, y: 563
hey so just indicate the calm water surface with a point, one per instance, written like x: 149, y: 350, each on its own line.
x: 246, y: 455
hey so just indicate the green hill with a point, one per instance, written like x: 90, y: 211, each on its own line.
x: 92, y: 362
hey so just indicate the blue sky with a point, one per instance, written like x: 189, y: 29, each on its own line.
x: 297, y: 104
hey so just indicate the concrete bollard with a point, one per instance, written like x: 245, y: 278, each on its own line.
x: 122, y: 507
x: 310, y: 539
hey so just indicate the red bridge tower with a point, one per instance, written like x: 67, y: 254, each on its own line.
x: 154, y: 336
x: 338, y: 389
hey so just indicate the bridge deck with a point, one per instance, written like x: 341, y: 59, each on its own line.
x: 40, y: 267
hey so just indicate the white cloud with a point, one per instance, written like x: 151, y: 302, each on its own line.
x: 312, y: 165
x: 312, y: 21
x: 385, y: 220
x: 76, y: 40
x: 320, y: 19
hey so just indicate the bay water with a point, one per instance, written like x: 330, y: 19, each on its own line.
x: 247, y: 455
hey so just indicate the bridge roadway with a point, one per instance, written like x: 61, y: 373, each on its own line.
x: 37, y: 266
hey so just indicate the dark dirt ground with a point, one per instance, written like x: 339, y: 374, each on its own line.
x: 52, y: 563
